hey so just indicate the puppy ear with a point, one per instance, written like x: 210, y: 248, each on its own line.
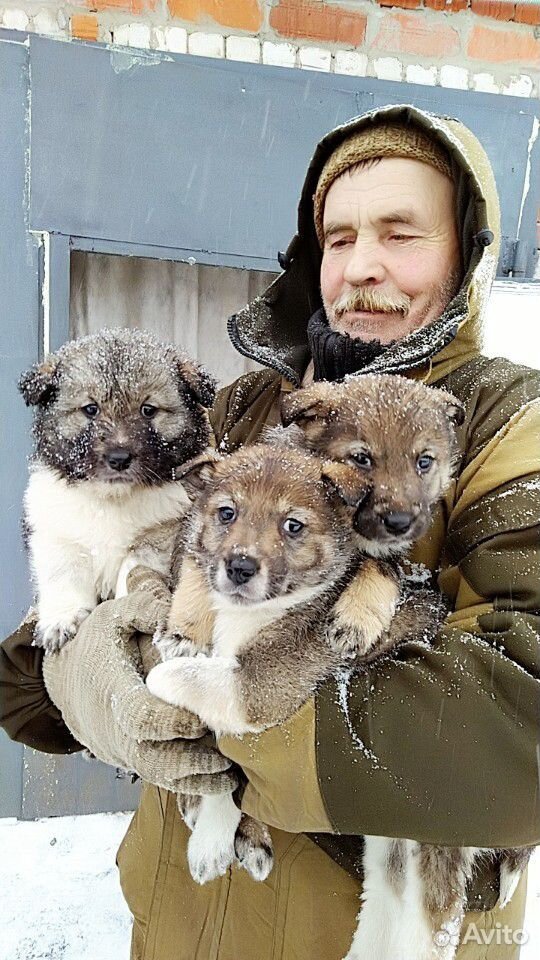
x: 453, y: 408
x: 38, y: 384
x: 197, y: 473
x: 201, y: 384
x: 313, y: 403
x: 350, y: 483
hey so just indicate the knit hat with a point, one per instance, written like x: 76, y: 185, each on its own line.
x: 383, y: 140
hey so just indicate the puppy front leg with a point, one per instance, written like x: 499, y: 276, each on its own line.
x: 66, y: 590
x: 364, y: 610
x: 207, y: 686
x: 188, y: 631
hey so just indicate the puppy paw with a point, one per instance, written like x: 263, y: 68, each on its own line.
x: 53, y: 636
x: 209, y: 861
x: 171, y: 644
x: 253, y: 848
x: 189, y: 806
x: 349, y: 640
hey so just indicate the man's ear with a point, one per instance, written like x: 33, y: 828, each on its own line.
x: 196, y: 474
x: 453, y: 408
x: 38, y: 384
x: 350, y: 483
x: 313, y: 403
x: 201, y: 383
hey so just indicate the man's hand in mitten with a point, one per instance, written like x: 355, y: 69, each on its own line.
x: 97, y: 681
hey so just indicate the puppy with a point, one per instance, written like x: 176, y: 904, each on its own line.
x: 264, y: 591
x: 115, y: 414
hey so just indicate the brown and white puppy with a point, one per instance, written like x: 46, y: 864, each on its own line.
x: 266, y: 551
x: 395, y: 442
x: 115, y: 414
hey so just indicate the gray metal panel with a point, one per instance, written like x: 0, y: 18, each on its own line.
x: 209, y: 155
x: 56, y: 786
x: 19, y: 297
x: 11, y: 762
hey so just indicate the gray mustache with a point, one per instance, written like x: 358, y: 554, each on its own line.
x: 373, y: 301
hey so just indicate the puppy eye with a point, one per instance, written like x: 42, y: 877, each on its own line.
x: 293, y: 527
x: 226, y: 514
x: 91, y: 410
x: 424, y: 463
x: 362, y: 460
x: 148, y: 411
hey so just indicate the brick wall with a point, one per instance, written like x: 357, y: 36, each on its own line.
x: 487, y: 45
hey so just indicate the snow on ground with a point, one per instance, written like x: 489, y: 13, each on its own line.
x: 61, y: 898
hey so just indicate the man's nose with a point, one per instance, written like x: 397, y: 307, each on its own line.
x: 365, y: 264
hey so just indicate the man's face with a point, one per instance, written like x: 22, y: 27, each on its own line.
x: 391, y: 258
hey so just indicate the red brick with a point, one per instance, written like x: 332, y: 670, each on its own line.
x: 496, y: 9
x: 450, y: 6
x: 315, y: 20
x: 526, y: 13
x: 239, y: 14
x: 131, y: 6
x: 504, y: 46
x: 405, y: 4
x: 84, y: 26
x: 407, y: 33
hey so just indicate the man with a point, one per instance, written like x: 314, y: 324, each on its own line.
x: 390, y: 271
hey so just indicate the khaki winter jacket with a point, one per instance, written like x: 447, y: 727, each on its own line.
x: 437, y: 745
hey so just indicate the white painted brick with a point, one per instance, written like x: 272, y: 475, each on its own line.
x: 247, y: 49
x: 315, y: 58
x: 484, y: 83
x: 176, y: 39
x: 132, y: 35
x: 173, y: 39
x: 159, y: 41
x: 351, y: 62
x: 521, y: 86
x: 455, y: 77
x: 387, y: 68
x: 417, y: 74
x: 206, y: 44
x: 45, y: 22
x: 279, y: 54
x: 15, y: 20
x: 121, y: 35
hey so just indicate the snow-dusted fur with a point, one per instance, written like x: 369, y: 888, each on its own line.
x: 115, y: 414
x: 81, y: 535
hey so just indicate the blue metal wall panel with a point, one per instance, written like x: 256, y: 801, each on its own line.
x: 209, y: 155
x: 19, y: 332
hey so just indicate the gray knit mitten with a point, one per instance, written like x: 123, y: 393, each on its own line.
x: 97, y: 682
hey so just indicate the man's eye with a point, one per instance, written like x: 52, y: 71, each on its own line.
x: 424, y: 463
x: 362, y: 460
x: 148, y: 411
x: 293, y: 527
x: 90, y: 410
x: 401, y: 237
x: 226, y: 514
x: 342, y: 242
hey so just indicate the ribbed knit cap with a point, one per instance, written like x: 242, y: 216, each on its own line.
x: 383, y: 140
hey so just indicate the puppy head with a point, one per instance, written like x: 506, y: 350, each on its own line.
x: 268, y: 524
x: 395, y: 441
x: 118, y: 407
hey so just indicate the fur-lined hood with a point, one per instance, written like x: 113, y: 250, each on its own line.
x: 272, y: 329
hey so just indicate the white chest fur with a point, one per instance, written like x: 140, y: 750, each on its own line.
x: 99, y: 524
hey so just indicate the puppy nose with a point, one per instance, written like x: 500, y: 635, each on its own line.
x: 397, y: 521
x: 119, y: 459
x: 241, y: 569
